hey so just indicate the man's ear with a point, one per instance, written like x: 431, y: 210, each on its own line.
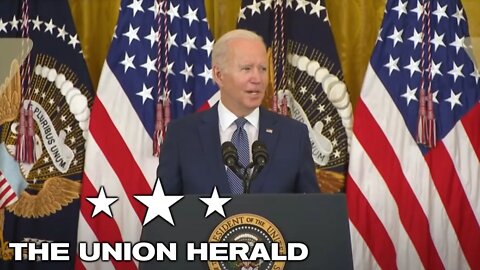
x: 217, y: 75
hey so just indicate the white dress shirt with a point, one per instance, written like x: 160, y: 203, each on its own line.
x: 226, y: 125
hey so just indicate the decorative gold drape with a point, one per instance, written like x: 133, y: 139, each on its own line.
x: 354, y: 23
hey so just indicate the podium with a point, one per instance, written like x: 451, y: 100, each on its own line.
x: 317, y: 220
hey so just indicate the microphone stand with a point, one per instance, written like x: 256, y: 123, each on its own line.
x: 247, y: 179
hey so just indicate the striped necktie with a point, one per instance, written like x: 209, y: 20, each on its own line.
x: 240, y: 140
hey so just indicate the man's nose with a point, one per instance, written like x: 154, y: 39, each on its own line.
x: 257, y: 75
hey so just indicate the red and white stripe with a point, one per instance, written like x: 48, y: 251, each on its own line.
x: 406, y: 210
x: 118, y: 157
x: 7, y: 195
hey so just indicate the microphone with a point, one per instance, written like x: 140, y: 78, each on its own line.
x: 259, y: 154
x: 230, y: 158
x: 260, y: 158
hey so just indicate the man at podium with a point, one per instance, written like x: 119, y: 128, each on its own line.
x: 197, y: 154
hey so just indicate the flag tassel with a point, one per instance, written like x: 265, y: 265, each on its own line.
x: 20, y: 144
x: 159, y: 128
x: 274, y: 102
x: 29, y: 138
x: 422, y: 118
x: 283, y: 106
x: 431, y: 125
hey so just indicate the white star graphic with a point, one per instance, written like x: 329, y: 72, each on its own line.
x: 131, y: 34
x: 392, y: 65
x: 191, y: 15
x: 458, y: 15
x: 413, y: 66
x: 189, y: 43
x: 73, y: 40
x: 401, y: 8
x: 102, y: 203
x: 454, y: 99
x: 127, y: 62
x: 50, y: 26
x: 152, y: 37
x: 3, y: 26
x: 418, y: 10
x: 61, y: 32
x: 416, y: 38
x: 158, y: 204
x: 206, y: 74
x: 150, y: 64
x: 185, y: 99
x: 146, y: 93
x: 396, y: 36
x: 187, y: 71
x: 440, y: 12
x: 215, y: 203
x: 255, y: 7
x: 208, y: 46
x: 410, y: 94
x: 136, y: 6
x: 458, y: 43
x: 456, y: 71
x: 36, y: 23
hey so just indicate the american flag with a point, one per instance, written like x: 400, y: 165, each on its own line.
x: 411, y: 206
x: 119, y: 150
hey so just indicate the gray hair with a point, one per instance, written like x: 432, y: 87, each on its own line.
x: 220, y: 48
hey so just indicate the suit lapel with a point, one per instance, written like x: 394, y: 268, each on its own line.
x: 267, y: 134
x: 210, y: 139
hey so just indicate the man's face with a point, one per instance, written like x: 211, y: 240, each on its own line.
x: 243, y: 78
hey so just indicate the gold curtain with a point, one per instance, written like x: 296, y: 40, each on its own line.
x: 354, y: 23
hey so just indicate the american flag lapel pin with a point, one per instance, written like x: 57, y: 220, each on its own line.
x: 269, y: 130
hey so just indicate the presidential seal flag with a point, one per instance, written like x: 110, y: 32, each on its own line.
x: 306, y: 78
x: 157, y: 69
x: 413, y: 184
x: 44, y: 122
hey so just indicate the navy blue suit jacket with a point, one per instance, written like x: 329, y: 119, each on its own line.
x: 191, y: 160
